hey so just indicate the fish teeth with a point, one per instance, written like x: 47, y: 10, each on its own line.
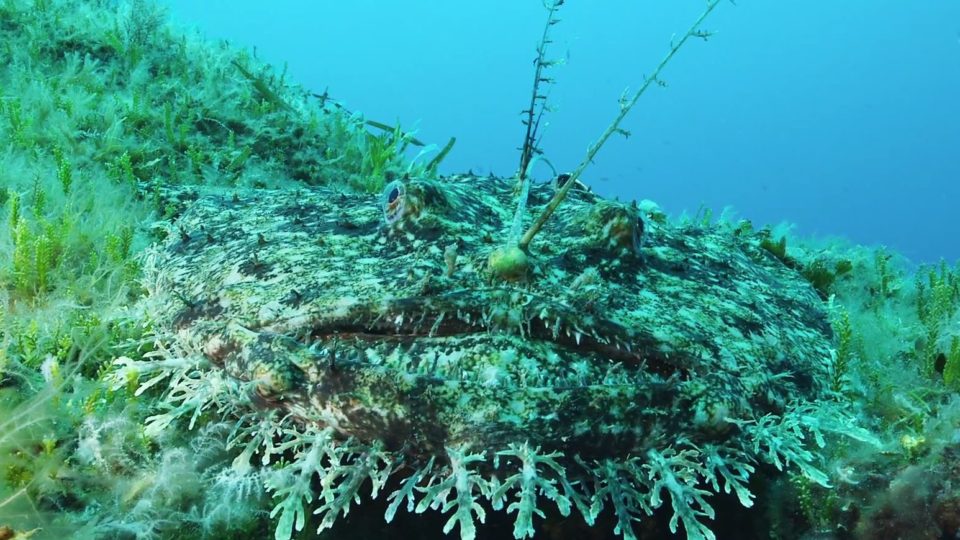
x: 436, y: 324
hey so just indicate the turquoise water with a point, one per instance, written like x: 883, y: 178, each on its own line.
x: 841, y: 117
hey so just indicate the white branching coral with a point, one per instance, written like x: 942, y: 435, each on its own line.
x: 538, y: 474
x: 456, y: 489
x: 292, y: 484
x: 315, y: 470
x: 679, y: 473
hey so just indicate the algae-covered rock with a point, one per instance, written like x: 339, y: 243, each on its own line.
x: 356, y: 337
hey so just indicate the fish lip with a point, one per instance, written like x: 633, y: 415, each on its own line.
x: 614, y: 343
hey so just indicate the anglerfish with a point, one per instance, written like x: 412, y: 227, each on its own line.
x: 361, y: 338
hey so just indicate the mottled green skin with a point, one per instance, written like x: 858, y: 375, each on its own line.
x: 600, y: 350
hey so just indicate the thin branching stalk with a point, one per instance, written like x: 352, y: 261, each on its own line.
x: 534, y: 113
x: 614, y: 127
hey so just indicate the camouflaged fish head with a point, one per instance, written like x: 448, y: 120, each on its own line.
x: 377, y: 317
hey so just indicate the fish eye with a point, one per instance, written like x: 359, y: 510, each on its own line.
x: 638, y: 234
x: 616, y: 226
x: 406, y: 202
x: 393, y: 201
x: 561, y: 180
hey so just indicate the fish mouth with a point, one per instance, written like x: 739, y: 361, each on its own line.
x: 384, y: 371
x: 512, y: 311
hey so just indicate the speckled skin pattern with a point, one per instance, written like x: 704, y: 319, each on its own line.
x: 398, y: 333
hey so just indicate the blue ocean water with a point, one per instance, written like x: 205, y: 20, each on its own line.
x: 842, y: 117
